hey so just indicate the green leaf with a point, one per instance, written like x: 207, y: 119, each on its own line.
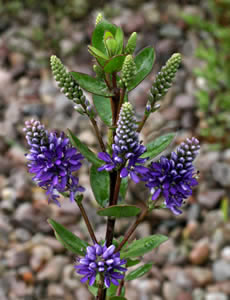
x: 144, y: 63
x: 123, y: 188
x: 91, y: 84
x: 98, y: 34
x: 93, y: 290
x: 114, y: 64
x: 119, y: 211
x: 100, y: 183
x: 117, y: 298
x: 103, y: 108
x: 88, y: 154
x: 119, y: 37
x: 158, y: 145
x: 139, y: 272
x: 97, y: 53
x: 68, y: 239
x: 143, y: 246
x: 131, y: 262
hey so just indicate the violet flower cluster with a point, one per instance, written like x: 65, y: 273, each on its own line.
x: 101, y: 260
x: 53, y: 161
x: 174, y: 177
x: 127, y: 149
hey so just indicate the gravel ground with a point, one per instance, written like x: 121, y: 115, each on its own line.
x: 195, y: 262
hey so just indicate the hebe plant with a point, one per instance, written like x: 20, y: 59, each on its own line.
x: 214, y: 49
x: 54, y: 158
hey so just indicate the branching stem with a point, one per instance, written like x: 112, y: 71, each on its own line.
x: 87, y: 222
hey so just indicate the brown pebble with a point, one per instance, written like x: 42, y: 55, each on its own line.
x: 28, y: 277
x: 199, y: 253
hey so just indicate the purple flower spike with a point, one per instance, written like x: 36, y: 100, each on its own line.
x: 174, y: 177
x: 53, y: 161
x: 101, y: 259
x: 126, y: 148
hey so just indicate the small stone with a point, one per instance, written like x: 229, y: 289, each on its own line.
x: 170, y: 31
x: 22, y: 234
x: 222, y: 286
x: 225, y: 253
x: 55, y: 290
x: 70, y: 278
x: 200, y: 276
x: 210, y: 198
x: 40, y: 255
x: 185, y: 101
x: 17, y: 258
x: 226, y: 155
x: 221, y: 173
x: 198, y: 294
x: 205, y: 161
x: 151, y: 13
x: 54, y: 244
x: 26, y: 275
x: 82, y: 293
x: 221, y: 270
x: 200, y: 252
x: 170, y: 291
x: 53, y: 269
x: 143, y: 229
x: 216, y: 296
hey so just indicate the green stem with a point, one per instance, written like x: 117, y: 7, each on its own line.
x: 87, y: 222
x: 142, y: 123
x: 113, y: 201
x: 99, y: 137
x: 101, y: 294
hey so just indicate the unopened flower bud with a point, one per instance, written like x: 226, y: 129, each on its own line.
x: 98, y: 18
x: 128, y: 70
x: 65, y: 81
x: 164, y: 78
x: 131, y: 44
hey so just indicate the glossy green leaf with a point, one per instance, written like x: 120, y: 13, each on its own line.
x: 85, y: 151
x: 139, y: 272
x: 98, y: 34
x: 68, y: 239
x: 119, y: 211
x: 119, y: 37
x: 114, y: 64
x: 144, y: 64
x: 123, y: 188
x: 158, y: 145
x: 103, y: 108
x: 143, y: 246
x: 93, y: 290
x: 132, y: 262
x: 100, y: 183
x: 97, y: 53
x: 93, y: 85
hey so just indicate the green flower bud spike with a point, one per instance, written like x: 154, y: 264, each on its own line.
x: 164, y: 79
x: 131, y: 44
x: 69, y: 87
x: 65, y: 81
x: 128, y: 70
x: 99, y: 18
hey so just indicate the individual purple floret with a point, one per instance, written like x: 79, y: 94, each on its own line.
x: 53, y: 161
x: 126, y: 148
x: 101, y: 260
x: 174, y: 177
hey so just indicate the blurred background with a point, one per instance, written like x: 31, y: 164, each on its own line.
x: 195, y: 262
